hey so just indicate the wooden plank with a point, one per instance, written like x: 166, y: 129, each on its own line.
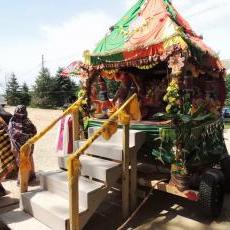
x: 76, y: 125
x: 188, y: 194
x: 158, y: 184
x: 133, y: 180
x: 125, y: 172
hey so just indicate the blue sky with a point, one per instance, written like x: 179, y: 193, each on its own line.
x: 62, y: 30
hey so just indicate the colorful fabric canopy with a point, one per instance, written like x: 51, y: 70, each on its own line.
x: 147, y: 32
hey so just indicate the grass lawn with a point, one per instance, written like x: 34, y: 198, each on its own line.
x: 227, y: 125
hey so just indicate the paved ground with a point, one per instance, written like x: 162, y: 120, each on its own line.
x: 162, y: 211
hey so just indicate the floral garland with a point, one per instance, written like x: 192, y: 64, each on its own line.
x: 138, y: 62
x: 172, y: 97
x: 176, y: 63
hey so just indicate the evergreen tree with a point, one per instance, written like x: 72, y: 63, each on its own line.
x: 12, y: 91
x: 64, y: 89
x: 25, y: 96
x: 43, y: 90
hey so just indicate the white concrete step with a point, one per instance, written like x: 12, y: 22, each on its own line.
x: 136, y: 137
x: 104, y: 170
x: 112, y: 148
x: 56, y: 182
x: 104, y: 149
x: 49, y: 208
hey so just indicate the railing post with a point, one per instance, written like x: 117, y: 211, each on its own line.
x: 76, y: 125
x: 133, y: 180
x: 74, y: 200
x: 24, y: 167
x: 73, y: 186
x: 24, y: 179
x: 125, y: 172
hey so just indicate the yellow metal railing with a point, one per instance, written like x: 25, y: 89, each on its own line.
x: 74, y: 162
x: 25, y: 164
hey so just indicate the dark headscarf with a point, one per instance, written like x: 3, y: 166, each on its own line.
x: 20, y: 127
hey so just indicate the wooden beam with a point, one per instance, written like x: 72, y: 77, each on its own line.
x: 125, y: 172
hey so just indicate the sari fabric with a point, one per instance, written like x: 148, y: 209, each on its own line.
x: 21, y: 129
x: 7, y: 159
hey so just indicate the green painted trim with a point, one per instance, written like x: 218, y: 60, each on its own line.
x: 115, y: 39
x: 97, y: 60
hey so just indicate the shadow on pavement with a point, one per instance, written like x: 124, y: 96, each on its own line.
x: 161, y: 211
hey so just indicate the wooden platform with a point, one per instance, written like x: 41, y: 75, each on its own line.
x: 149, y: 177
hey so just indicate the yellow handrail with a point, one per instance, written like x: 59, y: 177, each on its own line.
x: 74, y: 166
x: 101, y: 130
x: 25, y: 165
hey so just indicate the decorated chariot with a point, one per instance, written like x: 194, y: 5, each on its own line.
x: 148, y: 115
x: 179, y: 81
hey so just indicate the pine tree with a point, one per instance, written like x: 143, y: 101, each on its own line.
x: 43, y: 90
x: 13, y: 91
x: 64, y: 89
x: 25, y: 96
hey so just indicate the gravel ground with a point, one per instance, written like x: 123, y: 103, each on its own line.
x: 162, y: 211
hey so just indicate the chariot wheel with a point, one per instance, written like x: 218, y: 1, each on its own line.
x: 211, y: 192
x: 225, y: 167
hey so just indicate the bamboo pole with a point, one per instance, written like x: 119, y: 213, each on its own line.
x: 24, y: 165
x: 125, y: 172
x: 73, y: 193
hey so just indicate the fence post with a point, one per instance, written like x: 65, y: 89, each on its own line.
x: 125, y: 172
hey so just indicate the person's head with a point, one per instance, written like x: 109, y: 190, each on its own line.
x: 20, y: 111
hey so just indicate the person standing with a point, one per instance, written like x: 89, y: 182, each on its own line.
x: 7, y: 159
x: 21, y: 129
